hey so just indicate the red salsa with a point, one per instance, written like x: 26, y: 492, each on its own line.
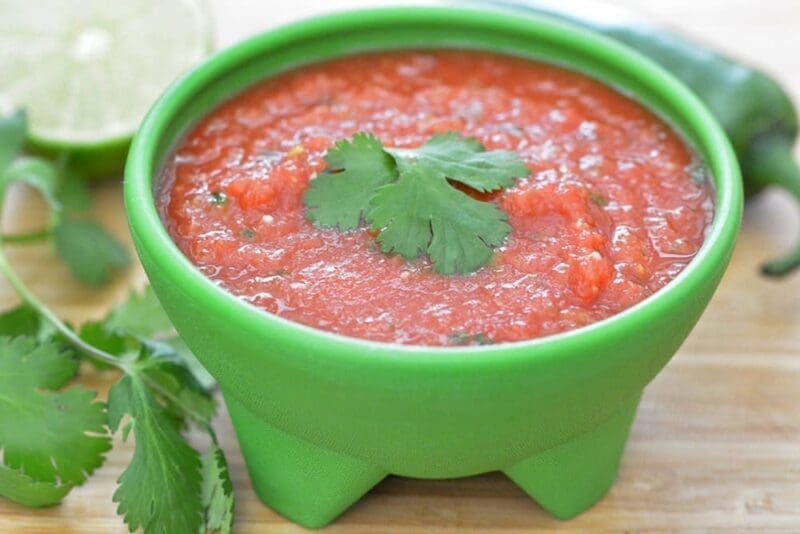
x: 615, y: 206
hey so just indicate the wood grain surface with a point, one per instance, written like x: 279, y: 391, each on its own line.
x: 716, y: 442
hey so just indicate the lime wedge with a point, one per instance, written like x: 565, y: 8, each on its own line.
x: 86, y: 71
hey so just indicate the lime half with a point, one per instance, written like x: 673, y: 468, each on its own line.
x: 86, y: 71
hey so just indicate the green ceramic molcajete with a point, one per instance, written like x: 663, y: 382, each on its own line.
x: 322, y: 418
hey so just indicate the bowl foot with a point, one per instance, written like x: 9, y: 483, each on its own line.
x: 305, y: 483
x: 569, y: 478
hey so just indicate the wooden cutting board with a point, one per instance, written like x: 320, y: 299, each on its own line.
x: 716, y: 442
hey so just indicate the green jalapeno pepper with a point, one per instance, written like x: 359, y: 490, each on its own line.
x: 754, y: 110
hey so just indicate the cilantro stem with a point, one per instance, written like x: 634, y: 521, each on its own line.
x: 127, y: 366
x: 71, y: 337
x: 90, y: 351
x: 26, y: 238
x: 155, y: 386
x: 44, y: 312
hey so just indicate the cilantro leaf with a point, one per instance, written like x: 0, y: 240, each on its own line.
x: 465, y: 160
x: 24, y: 320
x: 140, y: 315
x: 175, y: 382
x: 340, y: 196
x: 217, y: 491
x: 165, y: 385
x: 43, y: 433
x: 139, y: 328
x: 160, y: 490
x: 37, y: 173
x: 26, y: 491
x: 177, y: 346
x: 90, y: 252
x: 13, y: 130
x: 95, y: 334
x: 20, y: 321
x: 421, y: 212
x: 143, y: 317
x: 72, y: 192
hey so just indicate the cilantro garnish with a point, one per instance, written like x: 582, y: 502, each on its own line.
x: 52, y: 436
x: 465, y: 160
x: 406, y: 195
x: 423, y: 213
x: 340, y: 196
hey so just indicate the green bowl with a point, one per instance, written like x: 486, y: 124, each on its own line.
x: 321, y: 418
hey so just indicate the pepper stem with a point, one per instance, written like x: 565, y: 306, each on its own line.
x: 772, y: 163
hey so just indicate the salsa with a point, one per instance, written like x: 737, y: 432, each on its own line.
x: 614, y: 208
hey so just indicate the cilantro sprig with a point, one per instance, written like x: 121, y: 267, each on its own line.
x: 405, y: 194
x: 53, y: 436
x: 90, y: 252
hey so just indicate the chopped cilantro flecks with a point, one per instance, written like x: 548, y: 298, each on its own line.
x: 406, y: 196
x: 598, y: 199
x: 482, y: 339
x: 218, y: 198
x: 464, y: 339
x: 248, y: 233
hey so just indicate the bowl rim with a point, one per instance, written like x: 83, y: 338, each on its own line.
x: 150, y: 233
